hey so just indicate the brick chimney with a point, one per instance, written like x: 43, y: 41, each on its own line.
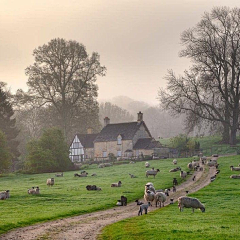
x: 89, y: 131
x: 140, y: 117
x: 106, y: 121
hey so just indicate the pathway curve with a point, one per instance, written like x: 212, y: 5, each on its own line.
x: 88, y: 226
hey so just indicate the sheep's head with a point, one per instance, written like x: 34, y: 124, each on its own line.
x: 202, y: 209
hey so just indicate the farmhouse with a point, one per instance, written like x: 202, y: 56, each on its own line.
x: 82, y: 147
x: 131, y: 139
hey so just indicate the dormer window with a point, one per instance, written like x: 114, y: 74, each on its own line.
x: 119, y: 140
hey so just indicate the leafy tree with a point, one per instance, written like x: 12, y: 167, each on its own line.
x: 5, y: 155
x: 210, y: 90
x: 182, y: 143
x: 7, y: 123
x: 63, y: 76
x: 48, y: 154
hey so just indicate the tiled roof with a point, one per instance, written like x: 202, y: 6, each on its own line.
x: 146, y: 143
x: 126, y: 130
x: 87, y: 140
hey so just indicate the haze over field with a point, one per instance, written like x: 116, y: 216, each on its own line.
x: 137, y: 40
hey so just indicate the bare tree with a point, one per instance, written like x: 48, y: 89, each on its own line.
x: 63, y: 75
x: 211, y: 88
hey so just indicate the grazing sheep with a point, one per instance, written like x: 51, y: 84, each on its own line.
x: 94, y: 174
x: 152, y: 172
x: 235, y: 176
x: 81, y: 175
x: 189, y: 202
x: 147, y: 164
x: 93, y: 187
x: 124, y: 201
x: 116, y: 184
x: 234, y: 168
x: 183, y: 174
x: 50, y: 181
x: 131, y: 175
x: 59, y: 175
x: 102, y: 165
x: 174, y: 161
x: 160, y: 198
x: 34, y: 190
x: 149, y: 197
x: 4, y: 195
x: 175, y: 182
x: 175, y: 169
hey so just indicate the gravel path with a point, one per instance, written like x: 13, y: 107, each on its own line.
x: 88, y: 226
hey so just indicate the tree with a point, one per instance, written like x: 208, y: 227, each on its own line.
x: 5, y: 155
x: 64, y: 75
x: 48, y: 154
x: 7, y: 124
x: 115, y: 113
x: 210, y: 89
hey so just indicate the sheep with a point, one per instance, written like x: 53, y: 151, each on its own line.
x: 174, y: 189
x: 138, y: 202
x: 124, y: 201
x: 94, y: 174
x: 59, y: 175
x: 189, y: 202
x: 160, y: 198
x: 171, y: 200
x: 34, y: 190
x: 131, y: 162
x: 143, y: 207
x: 234, y: 168
x: 235, y: 176
x: 152, y: 172
x: 101, y: 165
x: 4, y: 195
x: 175, y: 169
x: 81, y: 175
x: 212, y: 178
x: 174, y: 161
x: 150, y: 187
x: 211, y: 163
x: 93, y: 187
x: 116, y: 184
x: 175, y: 182
x: 147, y: 164
x: 183, y: 174
x: 149, y: 197
x: 194, y: 178
x: 166, y: 191
x: 190, y: 166
x: 131, y: 175
x: 50, y: 181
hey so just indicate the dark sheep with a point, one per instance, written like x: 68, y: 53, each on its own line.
x: 124, y: 201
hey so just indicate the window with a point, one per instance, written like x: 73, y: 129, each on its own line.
x: 119, y: 153
x: 76, y: 145
x: 104, y: 154
x: 75, y: 158
x: 119, y: 140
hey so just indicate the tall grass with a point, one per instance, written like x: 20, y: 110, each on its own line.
x: 220, y: 221
x: 69, y: 196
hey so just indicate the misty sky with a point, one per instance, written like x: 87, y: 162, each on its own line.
x: 138, y: 41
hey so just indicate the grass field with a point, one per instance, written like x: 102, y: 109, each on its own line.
x: 220, y: 221
x: 69, y: 196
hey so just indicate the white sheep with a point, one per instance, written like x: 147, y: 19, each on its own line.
x: 235, y: 176
x: 147, y: 164
x: 150, y: 187
x: 4, y: 195
x: 189, y: 202
x: 50, y: 181
x: 234, y: 168
x: 34, y: 190
x: 116, y: 184
x: 183, y: 174
x: 59, y: 174
x: 149, y: 196
x: 175, y: 169
x: 160, y: 198
x: 143, y: 207
x: 152, y: 172
x: 174, y: 161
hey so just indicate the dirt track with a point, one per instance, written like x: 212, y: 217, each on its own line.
x: 88, y: 226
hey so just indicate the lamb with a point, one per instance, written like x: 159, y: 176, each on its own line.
x: 149, y: 197
x: 143, y: 207
x: 93, y: 187
x: 190, y: 166
x: 50, y: 181
x: 212, y: 178
x: 160, y: 198
x: 234, y: 168
x: 81, y: 175
x: 175, y: 182
x: 59, y: 175
x: 174, y: 161
x: 235, y: 176
x: 4, y: 195
x: 34, y: 190
x: 174, y: 189
x: 124, y: 201
x: 166, y: 191
x: 94, y: 174
x: 147, y: 164
x: 116, y: 184
x: 132, y: 176
x: 183, y: 174
x: 189, y: 202
x: 152, y: 172
x: 175, y: 169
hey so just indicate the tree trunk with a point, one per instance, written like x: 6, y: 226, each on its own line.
x: 225, y: 134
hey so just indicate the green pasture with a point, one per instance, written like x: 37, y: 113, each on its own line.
x: 220, y: 221
x: 69, y: 196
